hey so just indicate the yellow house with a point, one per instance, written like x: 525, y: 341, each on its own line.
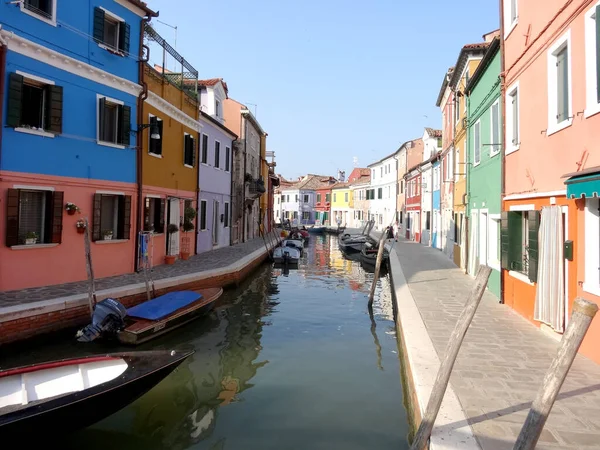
x: 469, y: 58
x: 341, y: 204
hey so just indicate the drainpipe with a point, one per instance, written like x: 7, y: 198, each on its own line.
x: 503, y: 115
x: 139, y: 141
x: 231, y: 190
x: 244, y: 183
x: 3, y: 51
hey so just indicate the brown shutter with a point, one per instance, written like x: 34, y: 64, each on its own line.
x: 54, y: 109
x: 12, y: 218
x: 163, y: 204
x: 125, y: 223
x: 96, y: 217
x: 15, y: 96
x: 57, y: 217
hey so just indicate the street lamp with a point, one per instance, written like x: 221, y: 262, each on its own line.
x: 154, y: 132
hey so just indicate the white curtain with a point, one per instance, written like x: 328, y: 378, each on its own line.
x: 550, y: 291
x: 472, y: 245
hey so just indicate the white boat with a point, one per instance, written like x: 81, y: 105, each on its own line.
x: 286, y: 255
x: 295, y: 243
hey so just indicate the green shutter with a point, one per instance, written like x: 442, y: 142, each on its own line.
x: 12, y: 218
x: 193, y: 149
x: 125, y: 127
x: 98, y: 24
x: 534, y: 227
x: 96, y: 217
x: 54, y: 109
x: 57, y: 217
x: 15, y: 95
x: 515, y: 241
x: 598, y: 53
x: 101, y: 106
x: 124, y: 37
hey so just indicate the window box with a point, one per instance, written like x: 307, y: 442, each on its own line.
x: 111, y: 32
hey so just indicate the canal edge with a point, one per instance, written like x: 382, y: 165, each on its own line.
x: 421, y: 364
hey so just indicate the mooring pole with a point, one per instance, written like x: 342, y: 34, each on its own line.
x: 89, y: 268
x: 583, y: 313
x: 443, y: 376
x: 380, y: 250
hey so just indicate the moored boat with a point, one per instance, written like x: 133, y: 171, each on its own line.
x: 296, y: 243
x: 41, y: 400
x: 316, y: 230
x: 368, y: 255
x: 286, y: 255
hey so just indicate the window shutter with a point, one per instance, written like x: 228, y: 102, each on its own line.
x: 124, y: 37
x: 561, y: 81
x: 515, y: 118
x: 163, y: 204
x: 598, y: 53
x: 96, y: 217
x: 534, y: 227
x: 54, y: 108
x: 515, y: 243
x: 12, y: 218
x: 57, y: 217
x: 193, y: 150
x: 15, y: 94
x: 101, y: 105
x: 98, y: 24
x: 125, y: 127
x: 124, y: 217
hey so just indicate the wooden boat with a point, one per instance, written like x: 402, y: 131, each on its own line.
x: 286, y: 255
x: 317, y: 230
x: 149, y: 319
x: 296, y: 243
x: 368, y: 255
x: 52, y: 398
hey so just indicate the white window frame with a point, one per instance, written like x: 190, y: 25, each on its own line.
x: 51, y: 21
x: 592, y: 105
x: 111, y: 100
x: 510, y: 26
x: 591, y: 282
x: 44, y: 81
x: 510, y: 147
x: 154, y: 155
x: 476, y: 137
x: 113, y: 18
x: 561, y: 43
x: 496, y: 146
x: 494, y: 223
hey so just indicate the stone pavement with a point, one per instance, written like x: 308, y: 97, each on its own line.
x: 502, y: 361
x: 213, y: 259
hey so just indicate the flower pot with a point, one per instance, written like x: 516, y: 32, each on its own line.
x: 185, y: 255
x: 71, y: 212
x: 108, y: 237
x: 30, y: 241
x: 80, y: 230
x: 170, y: 259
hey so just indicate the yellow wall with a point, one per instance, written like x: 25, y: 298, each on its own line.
x: 339, y: 197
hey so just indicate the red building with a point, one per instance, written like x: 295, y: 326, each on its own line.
x: 323, y: 202
x: 412, y: 181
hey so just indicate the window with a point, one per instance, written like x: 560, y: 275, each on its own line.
x: 155, y: 145
x: 428, y: 220
x: 114, y: 122
x: 111, y: 31
x: 495, y: 128
x: 381, y: 171
x: 457, y: 164
x: 204, y: 158
x: 559, y: 84
x: 346, y: 197
x: 296, y: 200
x: 217, y: 108
x: 327, y: 198
x: 456, y: 229
x: 401, y: 186
x: 591, y: 282
x: 449, y: 166
x: 226, y: 215
x: 519, y: 239
x: 334, y: 197
x: 305, y: 198
x: 457, y: 109
x: 400, y: 217
x: 512, y: 119
x: 112, y: 217
x: 305, y: 215
x: 295, y: 215
x: 318, y: 198
x: 477, y: 142
x: 217, y: 154
x: 227, y: 159
x: 203, y: 215
x: 44, y: 10
x: 154, y: 215
x: 380, y: 193
x: 511, y: 16
x: 592, y: 60
x: 34, y: 217
x: 34, y: 104
x: 373, y: 176
x: 189, y: 150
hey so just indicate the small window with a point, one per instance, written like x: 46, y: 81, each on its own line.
x: 305, y: 215
x: 400, y: 217
x: 227, y: 158
x: 346, y: 197
x: 154, y: 215
x: 318, y: 198
x: 511, y: 12
x: 334, y: 197
x: 477, y: 142
x: 217, y: 108
x: 305, y: 198
x: 34, y: 104
x: 204, y: 159
x: 112, y: 217
x: 226, y: 215
x: 33, y: 217
x: 512, y: 119
x: 189, y: 150
x: 155, y: 145
x: 114, y: 122
x: 296, y: 199
x: 203, y: 215
x: 381, y: 171
x: 592, y: 56
x: 327, y: 198
x: 519, y: 231
x: 428, y: 220
x: 217, y: 154
x: 495, y: 131
x: 44, y: 9
x: 380, y: 193
x: 295, y: 215
x: 111, y: 31
x: 559, y: 85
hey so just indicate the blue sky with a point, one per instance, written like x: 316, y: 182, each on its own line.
x: 332, y: 79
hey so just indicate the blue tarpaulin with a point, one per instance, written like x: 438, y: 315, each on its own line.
x: 164, y: 305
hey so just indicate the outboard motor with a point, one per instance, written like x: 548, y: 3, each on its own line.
x: 107, y: 319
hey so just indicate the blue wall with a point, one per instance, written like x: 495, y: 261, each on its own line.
x: 75, y: 153
x: 436, y: 204
x: 73, y: 34
x: 436, y: 193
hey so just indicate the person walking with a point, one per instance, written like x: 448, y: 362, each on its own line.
x: 396, y: 231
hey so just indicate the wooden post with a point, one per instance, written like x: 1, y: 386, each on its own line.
x: 89, y: 268
x: 377, y: 267
x: 583, y: 313
x: 443, y: 376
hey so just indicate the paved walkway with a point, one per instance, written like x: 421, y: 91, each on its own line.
x: 502, y: 362
x: 198, y: 263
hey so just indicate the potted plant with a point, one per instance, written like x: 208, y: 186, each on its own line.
x: 80, y: 225
x: 188, y: 225
x: 107, y: 235
x: 31, y: 238
x: 71, y: 208
x: 172, y: 228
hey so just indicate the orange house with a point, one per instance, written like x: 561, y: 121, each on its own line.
x: 549, y: 231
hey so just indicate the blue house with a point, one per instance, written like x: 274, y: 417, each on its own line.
x: 70, y: 77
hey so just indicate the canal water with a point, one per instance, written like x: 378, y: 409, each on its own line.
x: 286, y: 361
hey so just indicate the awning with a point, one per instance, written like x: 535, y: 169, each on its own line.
x: 583, y: 184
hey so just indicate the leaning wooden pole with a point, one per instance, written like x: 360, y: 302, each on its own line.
x: 443, y: 376
x: 89, y: 268
x: 583, y: 313
x: 380, y: 250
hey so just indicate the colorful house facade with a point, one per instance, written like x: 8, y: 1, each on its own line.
x: 401, y: 158
x: 436, y: 239
x: 323, y: 203
x: 412, y: 189
x: 550, y: 253
x: 341, y: 204
x: 484, y: 168
x: 68, y: 139
x: 384, y: 180
x: 431, y: 146
x: 215, y: 168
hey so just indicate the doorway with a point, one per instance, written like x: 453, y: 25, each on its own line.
x: 174, y: 218
x: 215, y: 224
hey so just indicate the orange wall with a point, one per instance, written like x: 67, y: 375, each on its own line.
x: 232, y: 116
x: 170, y: 93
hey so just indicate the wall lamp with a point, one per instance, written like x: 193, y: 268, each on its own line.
x: 154, y: 132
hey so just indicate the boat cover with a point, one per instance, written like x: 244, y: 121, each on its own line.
x: 164, y: 305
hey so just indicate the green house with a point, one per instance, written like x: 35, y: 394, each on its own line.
x: 484, y: 166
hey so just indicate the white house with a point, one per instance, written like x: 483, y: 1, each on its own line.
x: 384, y: 181
x: 431, y: 147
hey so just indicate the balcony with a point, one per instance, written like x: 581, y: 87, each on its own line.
x: 254, y: 188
